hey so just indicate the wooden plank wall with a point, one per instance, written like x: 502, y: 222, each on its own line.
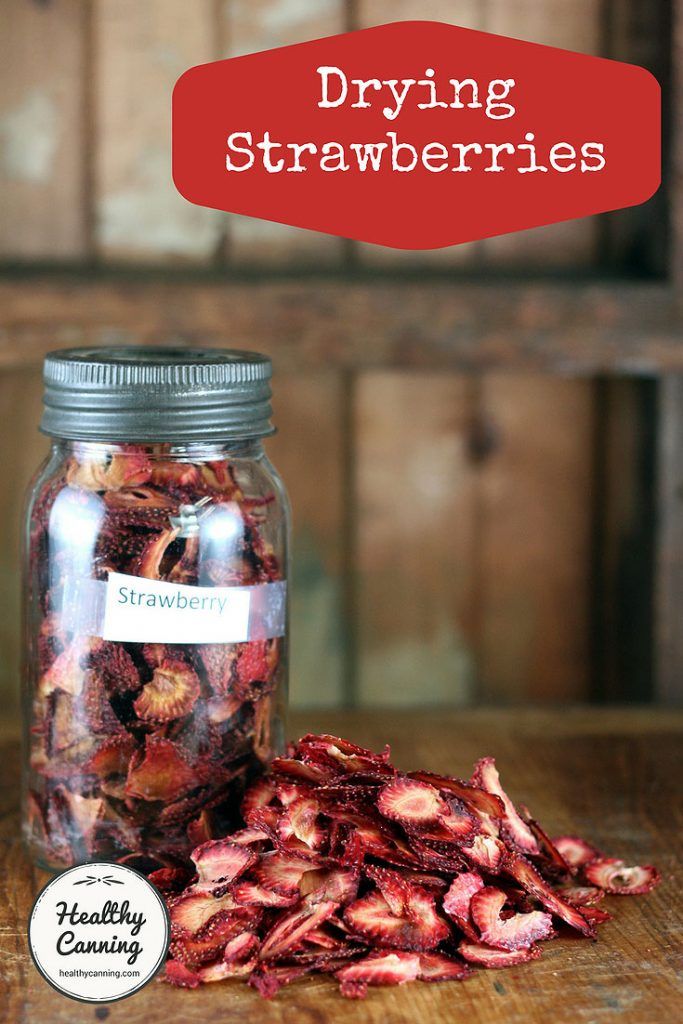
x: 444, y: 523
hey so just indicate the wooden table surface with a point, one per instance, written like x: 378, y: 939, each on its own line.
x: 612, y: 776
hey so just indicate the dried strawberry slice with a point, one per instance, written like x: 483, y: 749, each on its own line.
x: 280, y: 872
x: 439, y: 967
x: 302, y: 821
x: 98, y: 708
x: 575, y: 851
x: 80, y: 817
x: 172, y: 693
x: 219, y: 476
x: 210, y: 941
x: 64, y: 726
x: 251, y: 894
x: 456, y: 902
x: 595, y: 915
x: 111, y: 757
x: 411, y: 803
x: 346, y: 756
x: 361, y: 798
x: 247, y: 836
x: 220, y: 862
x: 267, y: 820
x: 219, y: 661
x: 242, y: 949
x: 35, y: 815
x: 112, y: 662
x: 432, y: 859
x: 67, y: 672
x: 179, y: 975
x: 294, y: 926
x: 339, y: 885
x: 486, y: 852
x: 109, y: 472
x: 319, y: 939
x: 484, y: 956
x: 296, y: 769
x: 259, y: 794
x: 554, y: 861
x: 420, y: 929
x: 164, y: 773
x: 175, y: 476
x: 155, y: 654
x: 454, y: 826
x: 229, y: 923
x: 202, y: 828
x: 261, y: 740
x: 59, y: 839
x: 582, y: 895
x: 288, y: 792
x: 149, y: 562
x: 395, y: 888
x: 373, y: 839
x: 192, y: 910
x: 477, y: 799
x: 186, y: 568
x: 486, y: 775
x: 222, y: 971
x: 614, y: 876
x: 268, y: 980
x: 346, y: 749
x: 391, y: 968
x: 353, y: 989
x: 169, y: 880
x: 222, y: 709
x: 522, y: 871
x: 180, y: 811
x: 256, y: 664
x: 517, y: 932
x: 51, y: 641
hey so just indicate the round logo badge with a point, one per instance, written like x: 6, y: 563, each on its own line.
x: 99, y: 932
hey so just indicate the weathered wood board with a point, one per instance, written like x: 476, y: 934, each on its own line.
x: 607, y: 774
x: 43, y: 145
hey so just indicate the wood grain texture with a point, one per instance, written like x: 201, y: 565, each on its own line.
x: 535, y: 529
x: 675, y: 247
x: 22, y: 449
x: 42, y: 130
x: 309, y: 452
x: 637, y: 240
x: 140, y: 49
x: 309, y: 448
x: 625, y: 510
x: 669, y: 541
x: 250, y: 26
x: 571, y: 25
x: 323, y: 322
x: 467, y: 14
x: 415, y: 527
x: 609, y: 775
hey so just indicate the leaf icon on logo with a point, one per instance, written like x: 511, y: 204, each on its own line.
x: 93, y: 879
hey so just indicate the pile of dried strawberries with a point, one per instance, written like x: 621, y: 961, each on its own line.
x: 140, y: 751
x: 346, y: 866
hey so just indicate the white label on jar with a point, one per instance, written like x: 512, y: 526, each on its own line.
x: 133, y: 609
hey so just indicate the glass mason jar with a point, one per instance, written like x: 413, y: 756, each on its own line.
x: 155, y: 673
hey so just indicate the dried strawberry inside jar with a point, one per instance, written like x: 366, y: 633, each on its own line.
x: 156, y: 606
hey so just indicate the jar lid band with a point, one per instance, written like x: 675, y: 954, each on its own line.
x: 147, y: 394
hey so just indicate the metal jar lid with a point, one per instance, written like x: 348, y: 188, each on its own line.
x: 156, y: 394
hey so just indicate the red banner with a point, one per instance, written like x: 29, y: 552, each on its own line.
x: 416, y: 135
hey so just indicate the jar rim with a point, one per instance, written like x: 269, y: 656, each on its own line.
x: 156, y: 393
